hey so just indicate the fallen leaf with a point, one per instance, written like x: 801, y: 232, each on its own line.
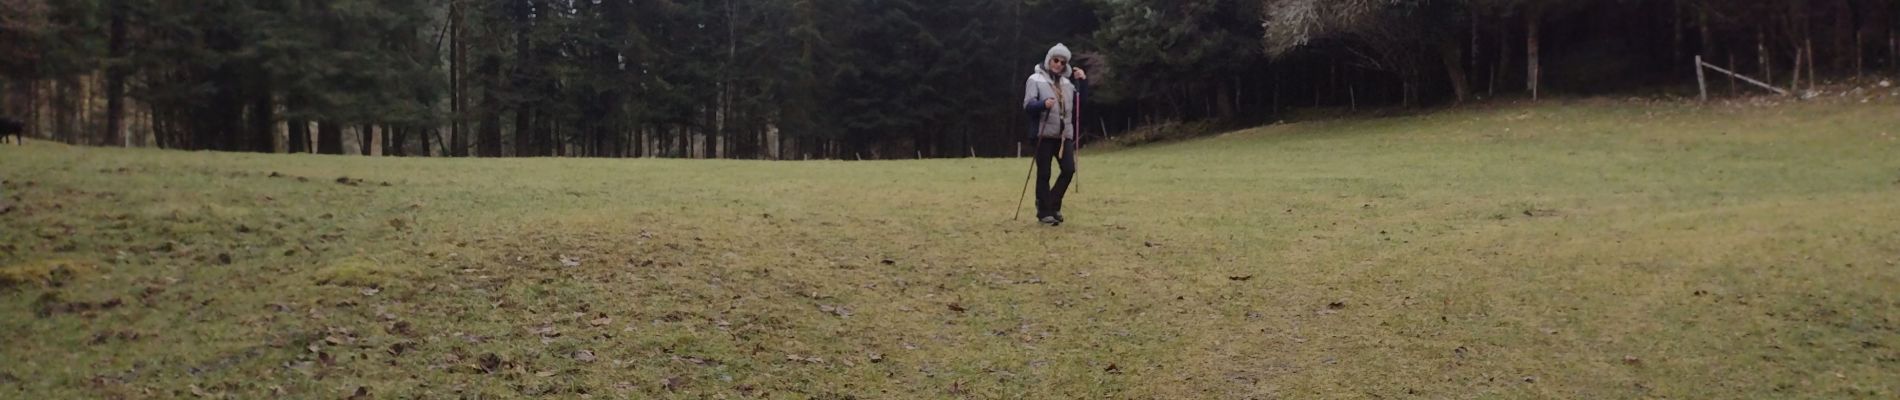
x: 567, y: 261
x: 957, y: 307
x: 489, y: 362
x: 584, y: 356
x: 1113, y: 369
x: 398, y: 348
x: 603, y: 320
x: 544, y: 374
x: 1632, y: 360
x: 370, y: 291
x: 877, y: 357
x: 835, y: 310
x: 401, y: 328
x: 1240, y: 278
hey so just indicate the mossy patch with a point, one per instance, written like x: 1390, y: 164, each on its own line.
x: 52, y: 272
x: 365, y: 272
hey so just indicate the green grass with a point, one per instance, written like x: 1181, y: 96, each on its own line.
x: 1584, y: 249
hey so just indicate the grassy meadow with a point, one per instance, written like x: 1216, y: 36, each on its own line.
x: 1572, y: 249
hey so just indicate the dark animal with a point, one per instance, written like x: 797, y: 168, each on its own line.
x: 14, y: 128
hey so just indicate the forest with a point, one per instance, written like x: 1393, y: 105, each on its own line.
x: 850, y: 79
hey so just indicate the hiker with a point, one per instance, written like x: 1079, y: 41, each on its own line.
x: 1052, y: 98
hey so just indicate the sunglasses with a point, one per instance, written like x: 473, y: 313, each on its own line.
x: 1059, y: 61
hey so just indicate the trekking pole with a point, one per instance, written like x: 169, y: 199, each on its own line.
x: 1076, y: 165
x: 1026, y: 178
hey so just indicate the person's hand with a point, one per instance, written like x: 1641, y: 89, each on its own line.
x: 1048, y: 103
x: 1080, y: 74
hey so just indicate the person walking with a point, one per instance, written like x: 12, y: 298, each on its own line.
x: 1052, y: 98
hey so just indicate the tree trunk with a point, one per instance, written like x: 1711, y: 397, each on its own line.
x: 1504, y: 56
x: 395, y: 141
x: 329, y: 138
x: 710, y: 146
x: 552, y: 139
x: 423, y: 135
x: 1677, y: 33
x: 522, y: 81
x: 1455, y: 70
x: 1531, y: 36
x: 228, y: 112
x: 1476, y: 61
x: 1846, y: 35
x: 63, y: 110
x: 490, y: 139
x: 1795, y: 81
x: 263, y: 122
x: 458, y: 51
x: 299, y: 136
x: 1708, y: 37
x: 1860, y: 62
x: 364, y: 139
x: 1811, y: 65
x: 1761, y: 51
x: 524, y: 131
x: 115, y: 76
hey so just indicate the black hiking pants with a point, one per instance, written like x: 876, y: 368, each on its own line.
x: 1049, y: 198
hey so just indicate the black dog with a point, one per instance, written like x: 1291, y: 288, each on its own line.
x: 12, y: 127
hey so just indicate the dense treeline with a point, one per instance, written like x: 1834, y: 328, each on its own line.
x: 791, y: 79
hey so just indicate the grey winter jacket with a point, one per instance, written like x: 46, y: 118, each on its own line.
x: 1058, y: 122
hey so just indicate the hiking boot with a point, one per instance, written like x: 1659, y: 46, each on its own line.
x: 1059, y: 218
x: 1051, y: 221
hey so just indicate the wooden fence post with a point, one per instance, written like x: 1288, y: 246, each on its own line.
x: 1700, y: 80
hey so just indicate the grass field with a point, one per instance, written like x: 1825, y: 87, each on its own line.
x: 1584, y: 249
